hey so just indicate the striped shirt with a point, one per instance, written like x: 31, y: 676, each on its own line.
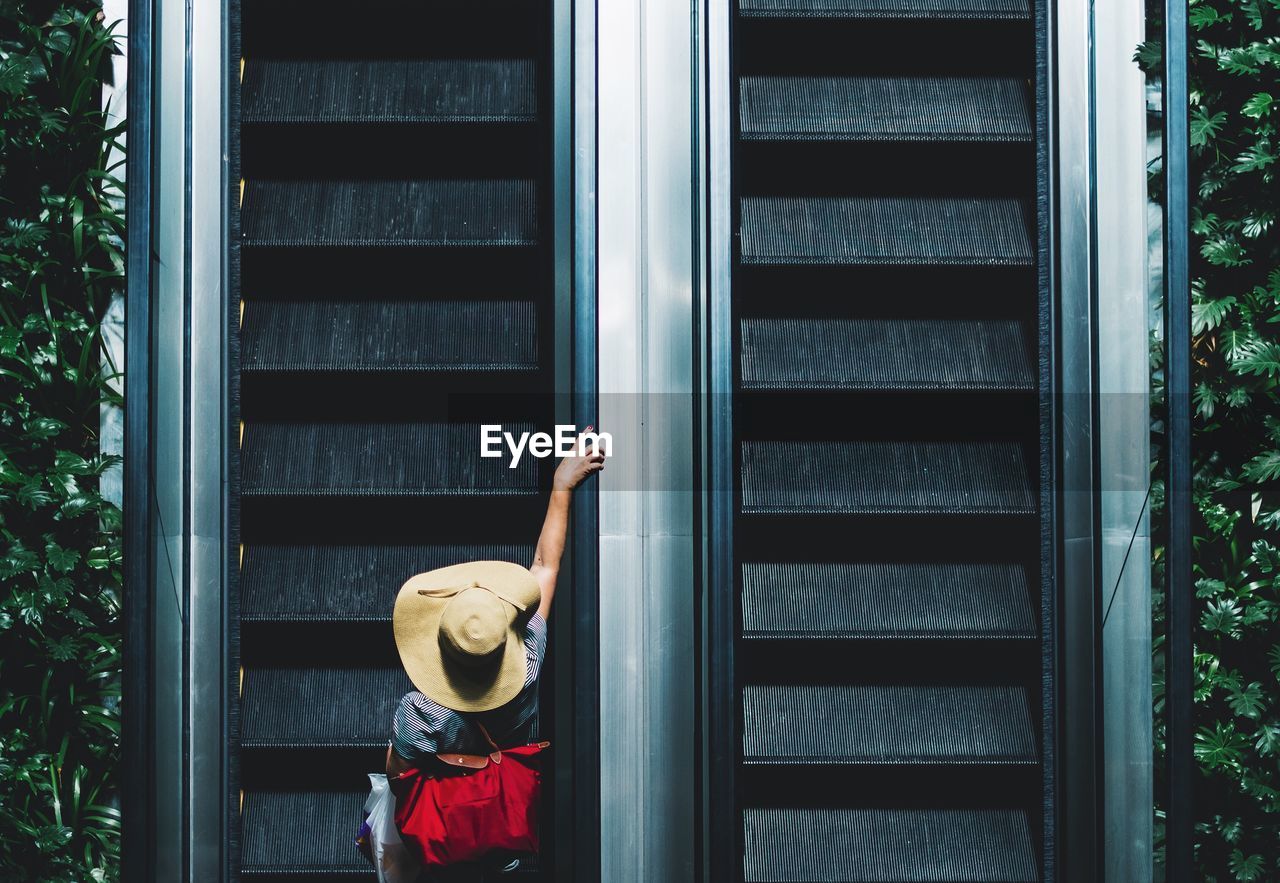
x: 423, y: 727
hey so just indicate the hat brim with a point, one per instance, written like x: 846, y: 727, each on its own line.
x: 416, y: 623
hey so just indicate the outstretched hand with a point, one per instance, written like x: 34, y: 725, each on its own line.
x: 573, y: 471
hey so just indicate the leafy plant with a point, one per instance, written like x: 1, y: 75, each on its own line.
x: 1234, y: 83
x: 60, y: 563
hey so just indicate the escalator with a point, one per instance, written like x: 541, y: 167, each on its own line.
x: 395, y: 291
x: 890, y: 680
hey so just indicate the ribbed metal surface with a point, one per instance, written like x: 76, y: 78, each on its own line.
x: 887, y: 846
x: 391, y: 214
x: 342, y: 90
x: 886, y: 724
x: 873, y: 477
x: 883, y: 109
x: 399, y: 336
x: 283, y: 583
x: 396, y: 267
x: 300, y: 832
x: 782, y: 353
x: 884, y: 230
x: 377, y: 459
x: 961, y: 9
x: 309, y: 707
x: 927, y: 768
x: 885, y: 600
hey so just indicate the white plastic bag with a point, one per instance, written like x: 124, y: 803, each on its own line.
x: 391, y: 858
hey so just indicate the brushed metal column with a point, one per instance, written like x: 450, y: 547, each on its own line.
x: 168, y: 437
x: 1124, y: 456
x: 189, y: 444
x: 1103, y: 357
x: 647, y: 587
x: 207, y: 677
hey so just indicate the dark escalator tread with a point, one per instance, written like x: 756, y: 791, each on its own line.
x: 309, y: 707
x: 884, y: 109
x: 859, y: 230
x: 894, y: 724
x: 281, y: 583
x: 379, y: 213
x: 342, y: 90
x: 887, y: 846
x: 885, y: 477
x: 782, y: 353
x: 885, y: 600
x: 962, y: 9
x: 302, y: 832
x: 400, y: 336
x: 378, y: 459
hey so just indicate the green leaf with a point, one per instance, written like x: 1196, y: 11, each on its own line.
x: 1246, y: 868
x: 60, y: 559
x: 1209, y: 588
x: 1256, y: 158
x: 1264, y: 467
x: 1257, y: 356
x: 1219, y: 746
x: 1266, y: 556
x: 1258, y: 106
x: 1267, y: 742
x: 1201, y: 17
x: 1205, y: 126
x: 1225, y: 251
x: 1209, y: 314
x: 1258, y: 223
x: 1247, y: 702
x: 1222, y: 616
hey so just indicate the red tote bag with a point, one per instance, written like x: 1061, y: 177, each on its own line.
x: 476, y: 805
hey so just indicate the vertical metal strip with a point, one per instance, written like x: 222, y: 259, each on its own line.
x: 720, y: 800
x: 1178, y: 685
x: 231, y: 447
x: 647, y: 602
x: 580, y: 861
x: 207, y: 445
x: 137, y: 712
x: 1049, y: 384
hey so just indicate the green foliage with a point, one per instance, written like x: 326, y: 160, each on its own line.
x: 60, y: 573
x: 1234, y: 83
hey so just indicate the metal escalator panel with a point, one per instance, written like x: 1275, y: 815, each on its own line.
x: 883, y: 109
x: 395, y: 291
x: 361, y: 90
x: 884, y: 230
x: 888, y: 846
x: 885, y: 599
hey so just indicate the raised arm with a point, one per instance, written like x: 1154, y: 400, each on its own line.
x: 571, y: 472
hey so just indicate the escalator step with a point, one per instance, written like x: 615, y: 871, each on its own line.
x: 887, y: 846
x: 391, y: 214
x: 402, y: 336
x: 885, y: 600
x: 302, y: 832
x: 780, y: 353
x: 344, y: 583
x: 885, y: 477
x: 377, y: 459
x: 909, y: 9
x: 884, y: 230
x: 883, y: 109
x: 830, y: 724
x: 310, y: 707
x: 341, y: 90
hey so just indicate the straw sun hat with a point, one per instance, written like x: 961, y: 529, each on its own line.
x: 459, y: 632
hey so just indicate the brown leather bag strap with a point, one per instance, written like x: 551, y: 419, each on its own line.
x: 496, y: 756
